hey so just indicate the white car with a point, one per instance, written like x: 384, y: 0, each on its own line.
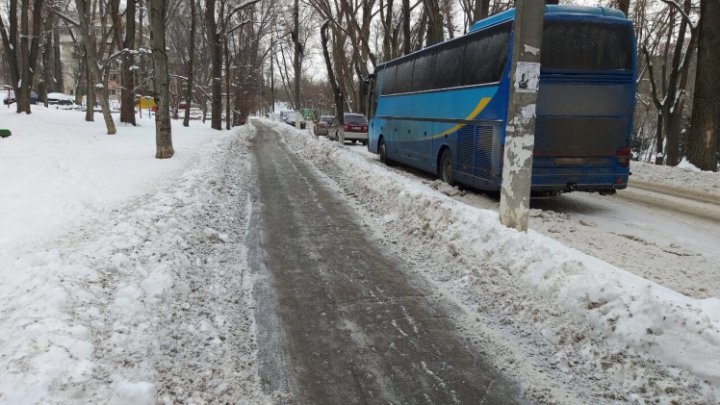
x: 288, y: 117
x: 61, y: 101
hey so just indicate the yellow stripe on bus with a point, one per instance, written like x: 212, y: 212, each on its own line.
x: 474, y: 113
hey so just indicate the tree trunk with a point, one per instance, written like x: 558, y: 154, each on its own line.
x: 407, y: 48
x: 659, y: 140
x: 624, y: 6
x: 57, y: 62
x: 191, y: 62
x: 337, y: 93
x: 127, y: 70
x: 29, y: 49
x: 435, y: 22
x: 705, y: 124
x: 161, y: 80
x: 47, y: 84
x: 90, y: 96
x: 297, y: 59
x: 673, y: 144
x: 93, y: 71
x: 9, y: 40
x: 216, y: 62
x: 484, y: 10
x: 228, y: 117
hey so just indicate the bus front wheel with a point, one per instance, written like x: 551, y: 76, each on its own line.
x: 446, y: 168
x: 383, y: 153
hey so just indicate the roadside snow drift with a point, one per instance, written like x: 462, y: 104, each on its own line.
x: 122, y: 276
x: 618, y: 310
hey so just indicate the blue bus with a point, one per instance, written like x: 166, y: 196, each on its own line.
x: 444, y: 109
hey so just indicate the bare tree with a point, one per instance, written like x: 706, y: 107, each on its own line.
x: 91, y: 62
x: 161, y: 80
x: 337, y: 93
x: 127, y: 69
x: 435, y: 22
x: 191, y: 63
x: 22, y: 48
x: 215, y: 44
x: 669, y: 88
x: 705, y: 124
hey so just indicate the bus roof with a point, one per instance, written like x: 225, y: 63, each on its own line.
x: 509, y: 15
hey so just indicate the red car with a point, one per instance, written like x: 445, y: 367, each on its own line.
x: 355, y: 128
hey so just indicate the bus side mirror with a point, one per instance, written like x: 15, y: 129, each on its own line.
x: 365, y: 86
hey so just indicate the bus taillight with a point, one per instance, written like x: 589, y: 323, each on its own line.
x: 623, y: 156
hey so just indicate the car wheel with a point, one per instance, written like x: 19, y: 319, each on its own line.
x: 354, y: 141
x: 364, y: 143
x: 446, y: 168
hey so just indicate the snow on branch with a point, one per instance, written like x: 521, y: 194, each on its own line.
x: 674, y: 4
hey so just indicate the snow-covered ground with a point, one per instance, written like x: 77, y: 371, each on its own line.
x: 123, y: 279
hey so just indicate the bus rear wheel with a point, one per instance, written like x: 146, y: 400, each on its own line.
x: 446, y: 168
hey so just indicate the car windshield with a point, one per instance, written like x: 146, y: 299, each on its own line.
x: 355, y: 119
x: 326, y: 118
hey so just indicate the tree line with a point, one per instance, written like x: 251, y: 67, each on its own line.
x: 233, y: 58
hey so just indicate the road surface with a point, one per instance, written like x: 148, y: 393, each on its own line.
x: 338, y: 322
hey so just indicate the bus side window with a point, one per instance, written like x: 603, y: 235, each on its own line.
x: 389, y: 80
x: 423, y: 72
x: 485, y: 55
x: 449, y: 65
x: 404, y: 76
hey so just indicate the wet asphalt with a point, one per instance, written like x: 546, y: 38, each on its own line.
x: 338, y: 321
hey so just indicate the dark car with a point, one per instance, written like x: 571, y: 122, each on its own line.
x: 355, y: 128
x: 11, y: 100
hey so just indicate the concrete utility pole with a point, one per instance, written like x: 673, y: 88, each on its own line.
x: 520, y: 131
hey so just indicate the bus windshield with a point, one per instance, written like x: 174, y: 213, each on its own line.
x: 575, y: 45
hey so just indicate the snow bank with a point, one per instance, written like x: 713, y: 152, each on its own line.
x: 99, y: 247
x: 683, y: 177
x: 619, y: 310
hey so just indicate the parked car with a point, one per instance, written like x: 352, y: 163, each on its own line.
x: 11, y: 99
x: 322, y: 125
x: 61, y: 101
x: 288, y: 117
x: 355, y: 128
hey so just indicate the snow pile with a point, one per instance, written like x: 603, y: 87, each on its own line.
x: 122, y: 276
x: 612, y: 319
x: 685, y: 177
